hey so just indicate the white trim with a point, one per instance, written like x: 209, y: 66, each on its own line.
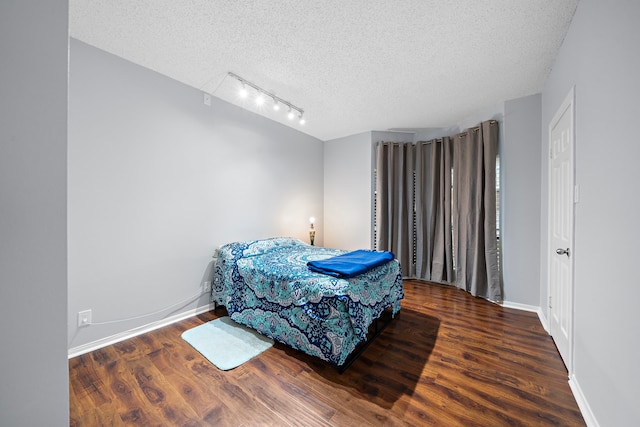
x: 585, y: 409
x: 518, y: 306
x: 543, y: 320
x: 531, y: 308
x: 95, y: 345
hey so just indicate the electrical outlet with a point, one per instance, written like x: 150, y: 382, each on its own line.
x: 206, y: 286
x: 84, y: 318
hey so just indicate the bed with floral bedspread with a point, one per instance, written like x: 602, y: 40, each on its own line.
x: 267, y: 285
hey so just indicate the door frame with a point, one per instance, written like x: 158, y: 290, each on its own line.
x: 567, y: 104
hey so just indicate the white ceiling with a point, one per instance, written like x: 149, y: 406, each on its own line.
x: 352, y: 65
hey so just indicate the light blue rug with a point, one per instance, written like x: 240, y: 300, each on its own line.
x: 226, y: 343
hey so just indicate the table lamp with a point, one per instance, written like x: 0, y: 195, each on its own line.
x: 312, y: 231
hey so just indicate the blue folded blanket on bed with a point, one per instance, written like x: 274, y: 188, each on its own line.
x: 350, y: 264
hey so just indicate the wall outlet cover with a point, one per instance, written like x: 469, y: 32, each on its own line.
x: 84, y: 318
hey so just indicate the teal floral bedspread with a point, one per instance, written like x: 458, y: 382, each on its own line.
x: 266, y: 285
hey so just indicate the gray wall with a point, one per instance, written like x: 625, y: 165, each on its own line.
x: 158, y: 180
x: 348, y: 185
x: 600, y: 57
x: 33, y: 213
x: 520, y: 200
x: 347, y: 192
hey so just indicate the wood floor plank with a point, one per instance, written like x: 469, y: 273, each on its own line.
x: 104, y: 415
x: 202, y: 399
x: 162, y: 394
x: 447, y: 359
x: 133, y: 408
x: 272, y: 396
x: 88, y: 385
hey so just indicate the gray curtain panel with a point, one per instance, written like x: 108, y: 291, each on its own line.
x: 434, y: 255
x: 474, y: 211
x: 394, y: 204
x: 436, y: 208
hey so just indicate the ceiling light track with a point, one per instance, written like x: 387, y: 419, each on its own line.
x: 262, y: 95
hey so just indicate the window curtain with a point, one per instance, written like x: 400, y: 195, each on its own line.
x: 394, y: 201
x: 434, y: 255
x: 474, y: 211
x: 436, y: 209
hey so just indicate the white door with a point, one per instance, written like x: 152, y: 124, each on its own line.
x: 561, y: 202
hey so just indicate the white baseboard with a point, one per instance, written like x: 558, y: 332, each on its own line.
x: 585, y: 409
x: 543, y: 320
x: 95, y: 345
x: 532, y: 308
x: 518, y: 306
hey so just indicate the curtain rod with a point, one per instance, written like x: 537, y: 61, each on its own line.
x: 463, y: 133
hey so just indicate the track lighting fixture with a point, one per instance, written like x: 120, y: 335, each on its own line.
x: 262, y: 95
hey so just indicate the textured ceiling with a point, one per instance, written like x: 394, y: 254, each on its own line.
x: 352, y: 65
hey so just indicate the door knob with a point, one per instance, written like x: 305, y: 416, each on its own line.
x: 561, y: 251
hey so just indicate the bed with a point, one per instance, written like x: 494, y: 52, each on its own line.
x: 267, y: 286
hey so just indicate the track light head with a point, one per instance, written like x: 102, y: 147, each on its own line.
x: 290, y: 114
x: 243, y: 91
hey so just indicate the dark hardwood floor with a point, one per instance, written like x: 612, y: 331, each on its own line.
x: 447, y: 359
